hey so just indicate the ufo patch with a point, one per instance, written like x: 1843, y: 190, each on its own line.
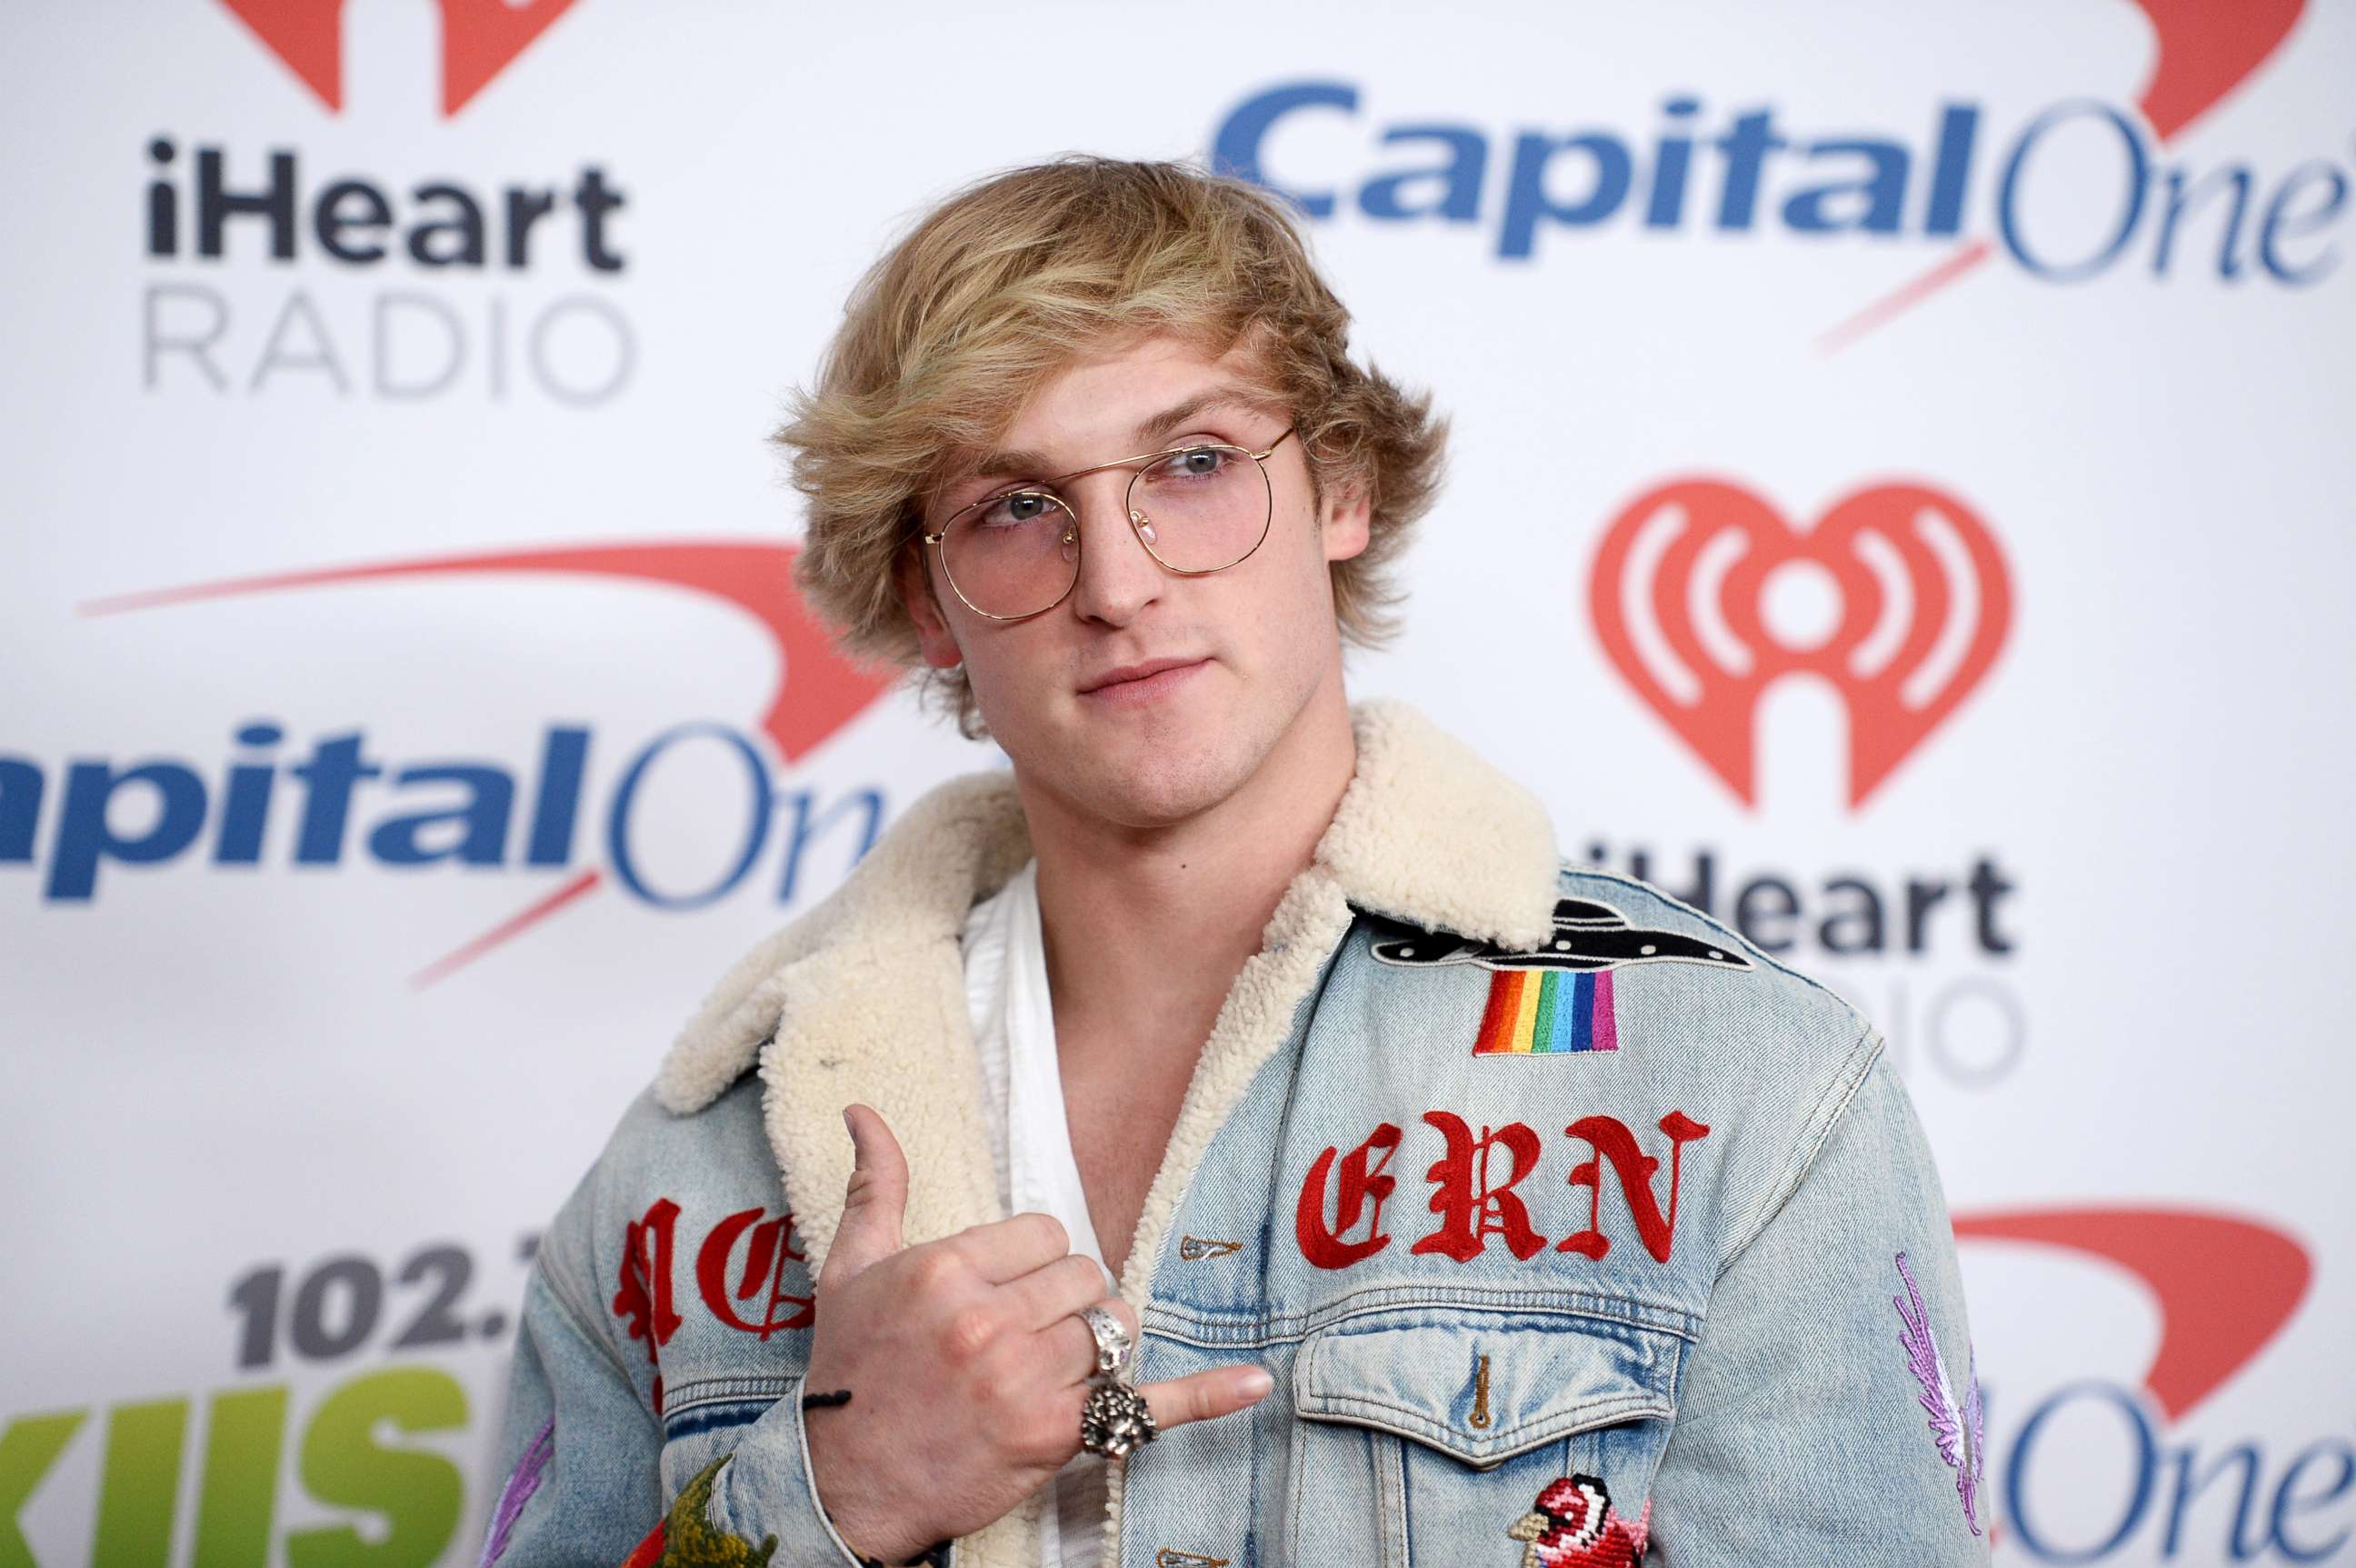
x: 1556, y: 999
x: 1587, y: 936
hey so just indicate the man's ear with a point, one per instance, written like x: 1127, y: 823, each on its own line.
x: 1349, y: 514
x: 913, y: 575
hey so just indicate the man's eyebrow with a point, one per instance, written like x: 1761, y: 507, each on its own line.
x: 1008, y: 465
x: 1145, y: 438
x: 1162, y: 426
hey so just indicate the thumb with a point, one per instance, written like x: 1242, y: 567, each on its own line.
x: 875, y: 1201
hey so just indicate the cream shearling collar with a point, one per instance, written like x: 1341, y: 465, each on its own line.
x: 864, y: 998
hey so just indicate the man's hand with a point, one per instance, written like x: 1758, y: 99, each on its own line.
x: 966, y: 1362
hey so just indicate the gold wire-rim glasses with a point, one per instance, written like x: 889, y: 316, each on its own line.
x: 1137, y: 520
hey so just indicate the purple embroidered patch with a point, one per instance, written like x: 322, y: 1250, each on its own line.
x: 1958, y: 1432
x: 520, y: 1486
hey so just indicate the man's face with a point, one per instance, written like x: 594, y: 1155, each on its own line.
x: 1145, y: 698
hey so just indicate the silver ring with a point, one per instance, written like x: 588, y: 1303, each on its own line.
x: 1113, y: 1344
x: 1115, y: 1420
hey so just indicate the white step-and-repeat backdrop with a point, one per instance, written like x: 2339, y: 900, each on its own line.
x: 1901, y: 502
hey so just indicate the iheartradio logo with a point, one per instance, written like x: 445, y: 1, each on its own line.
x: 1912, y: 591
x: 479, y: 39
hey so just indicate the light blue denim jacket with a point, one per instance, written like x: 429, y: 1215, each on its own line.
x: 1568, y: 1222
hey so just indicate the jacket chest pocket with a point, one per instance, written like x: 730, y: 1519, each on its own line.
x: 1476, y: 1438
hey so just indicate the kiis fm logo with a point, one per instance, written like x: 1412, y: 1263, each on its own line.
x: 2080, y: 189
x: 1680, y: 592
x: 479, y: 39
x: 223, y: 228
x: 466, y: 811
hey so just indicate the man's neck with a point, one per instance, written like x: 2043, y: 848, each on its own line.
x: 1155, y: 923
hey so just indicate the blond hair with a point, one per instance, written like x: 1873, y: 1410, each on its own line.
x: 1010, y: 280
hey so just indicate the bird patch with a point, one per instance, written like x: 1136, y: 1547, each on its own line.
x: 1955, y: 1430
x: 1572, y: 1525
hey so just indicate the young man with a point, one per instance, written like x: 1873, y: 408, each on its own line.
x: 1465, y: 1206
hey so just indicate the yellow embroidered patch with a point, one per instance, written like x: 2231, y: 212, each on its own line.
x: 689, y: 1541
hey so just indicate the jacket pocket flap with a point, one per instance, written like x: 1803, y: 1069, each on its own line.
x: 1483, y: 1385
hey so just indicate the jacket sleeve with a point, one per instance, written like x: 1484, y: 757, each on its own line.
x: 1830, y: 1412
x: 591, y: 1481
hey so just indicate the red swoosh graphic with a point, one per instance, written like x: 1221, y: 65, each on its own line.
x: 2202, y: 49
x: 819, y: 690
x: 2226, y: 1285
x: 2205, y: 51
x: 507, y: 931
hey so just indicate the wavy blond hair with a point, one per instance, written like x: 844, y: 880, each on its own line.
x: 1008, y: 282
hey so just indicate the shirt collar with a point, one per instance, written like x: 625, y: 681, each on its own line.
x: 1426, y: 833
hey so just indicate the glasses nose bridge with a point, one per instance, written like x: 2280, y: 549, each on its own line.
x: 1106, y: 487
x: 1107, y: 582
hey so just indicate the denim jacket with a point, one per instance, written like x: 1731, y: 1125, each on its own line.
x: 1569, y: 1223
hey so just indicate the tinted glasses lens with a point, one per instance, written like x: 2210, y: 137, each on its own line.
x: 1013, y: 555
x: 1201, y: 507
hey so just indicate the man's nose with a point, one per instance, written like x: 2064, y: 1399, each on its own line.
x: 1118, y: 576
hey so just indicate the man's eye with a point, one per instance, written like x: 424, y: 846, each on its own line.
x: 1194, y: 463
x: 1023, y: 506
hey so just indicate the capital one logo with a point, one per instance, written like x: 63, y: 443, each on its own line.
x: 479, y: 39
x: 2100, y: 1471
x: 346, y: 802
x: 1911, y: 596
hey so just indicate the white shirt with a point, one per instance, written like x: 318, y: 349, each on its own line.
x: 1031, y: 1145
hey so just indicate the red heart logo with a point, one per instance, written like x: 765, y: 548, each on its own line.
x: 1679, y: 595
x: 480, y: 39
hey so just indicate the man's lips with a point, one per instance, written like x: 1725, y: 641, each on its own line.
x: 1109, y: 681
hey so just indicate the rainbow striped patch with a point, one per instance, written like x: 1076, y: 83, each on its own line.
x: 1543, y: 1011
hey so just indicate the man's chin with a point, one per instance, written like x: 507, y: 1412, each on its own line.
x: 1160, y: 782
x: 1161, y: 793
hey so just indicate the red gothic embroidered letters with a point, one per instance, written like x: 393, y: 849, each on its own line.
x: 644, y: 1299
x: 1472, y: 1204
